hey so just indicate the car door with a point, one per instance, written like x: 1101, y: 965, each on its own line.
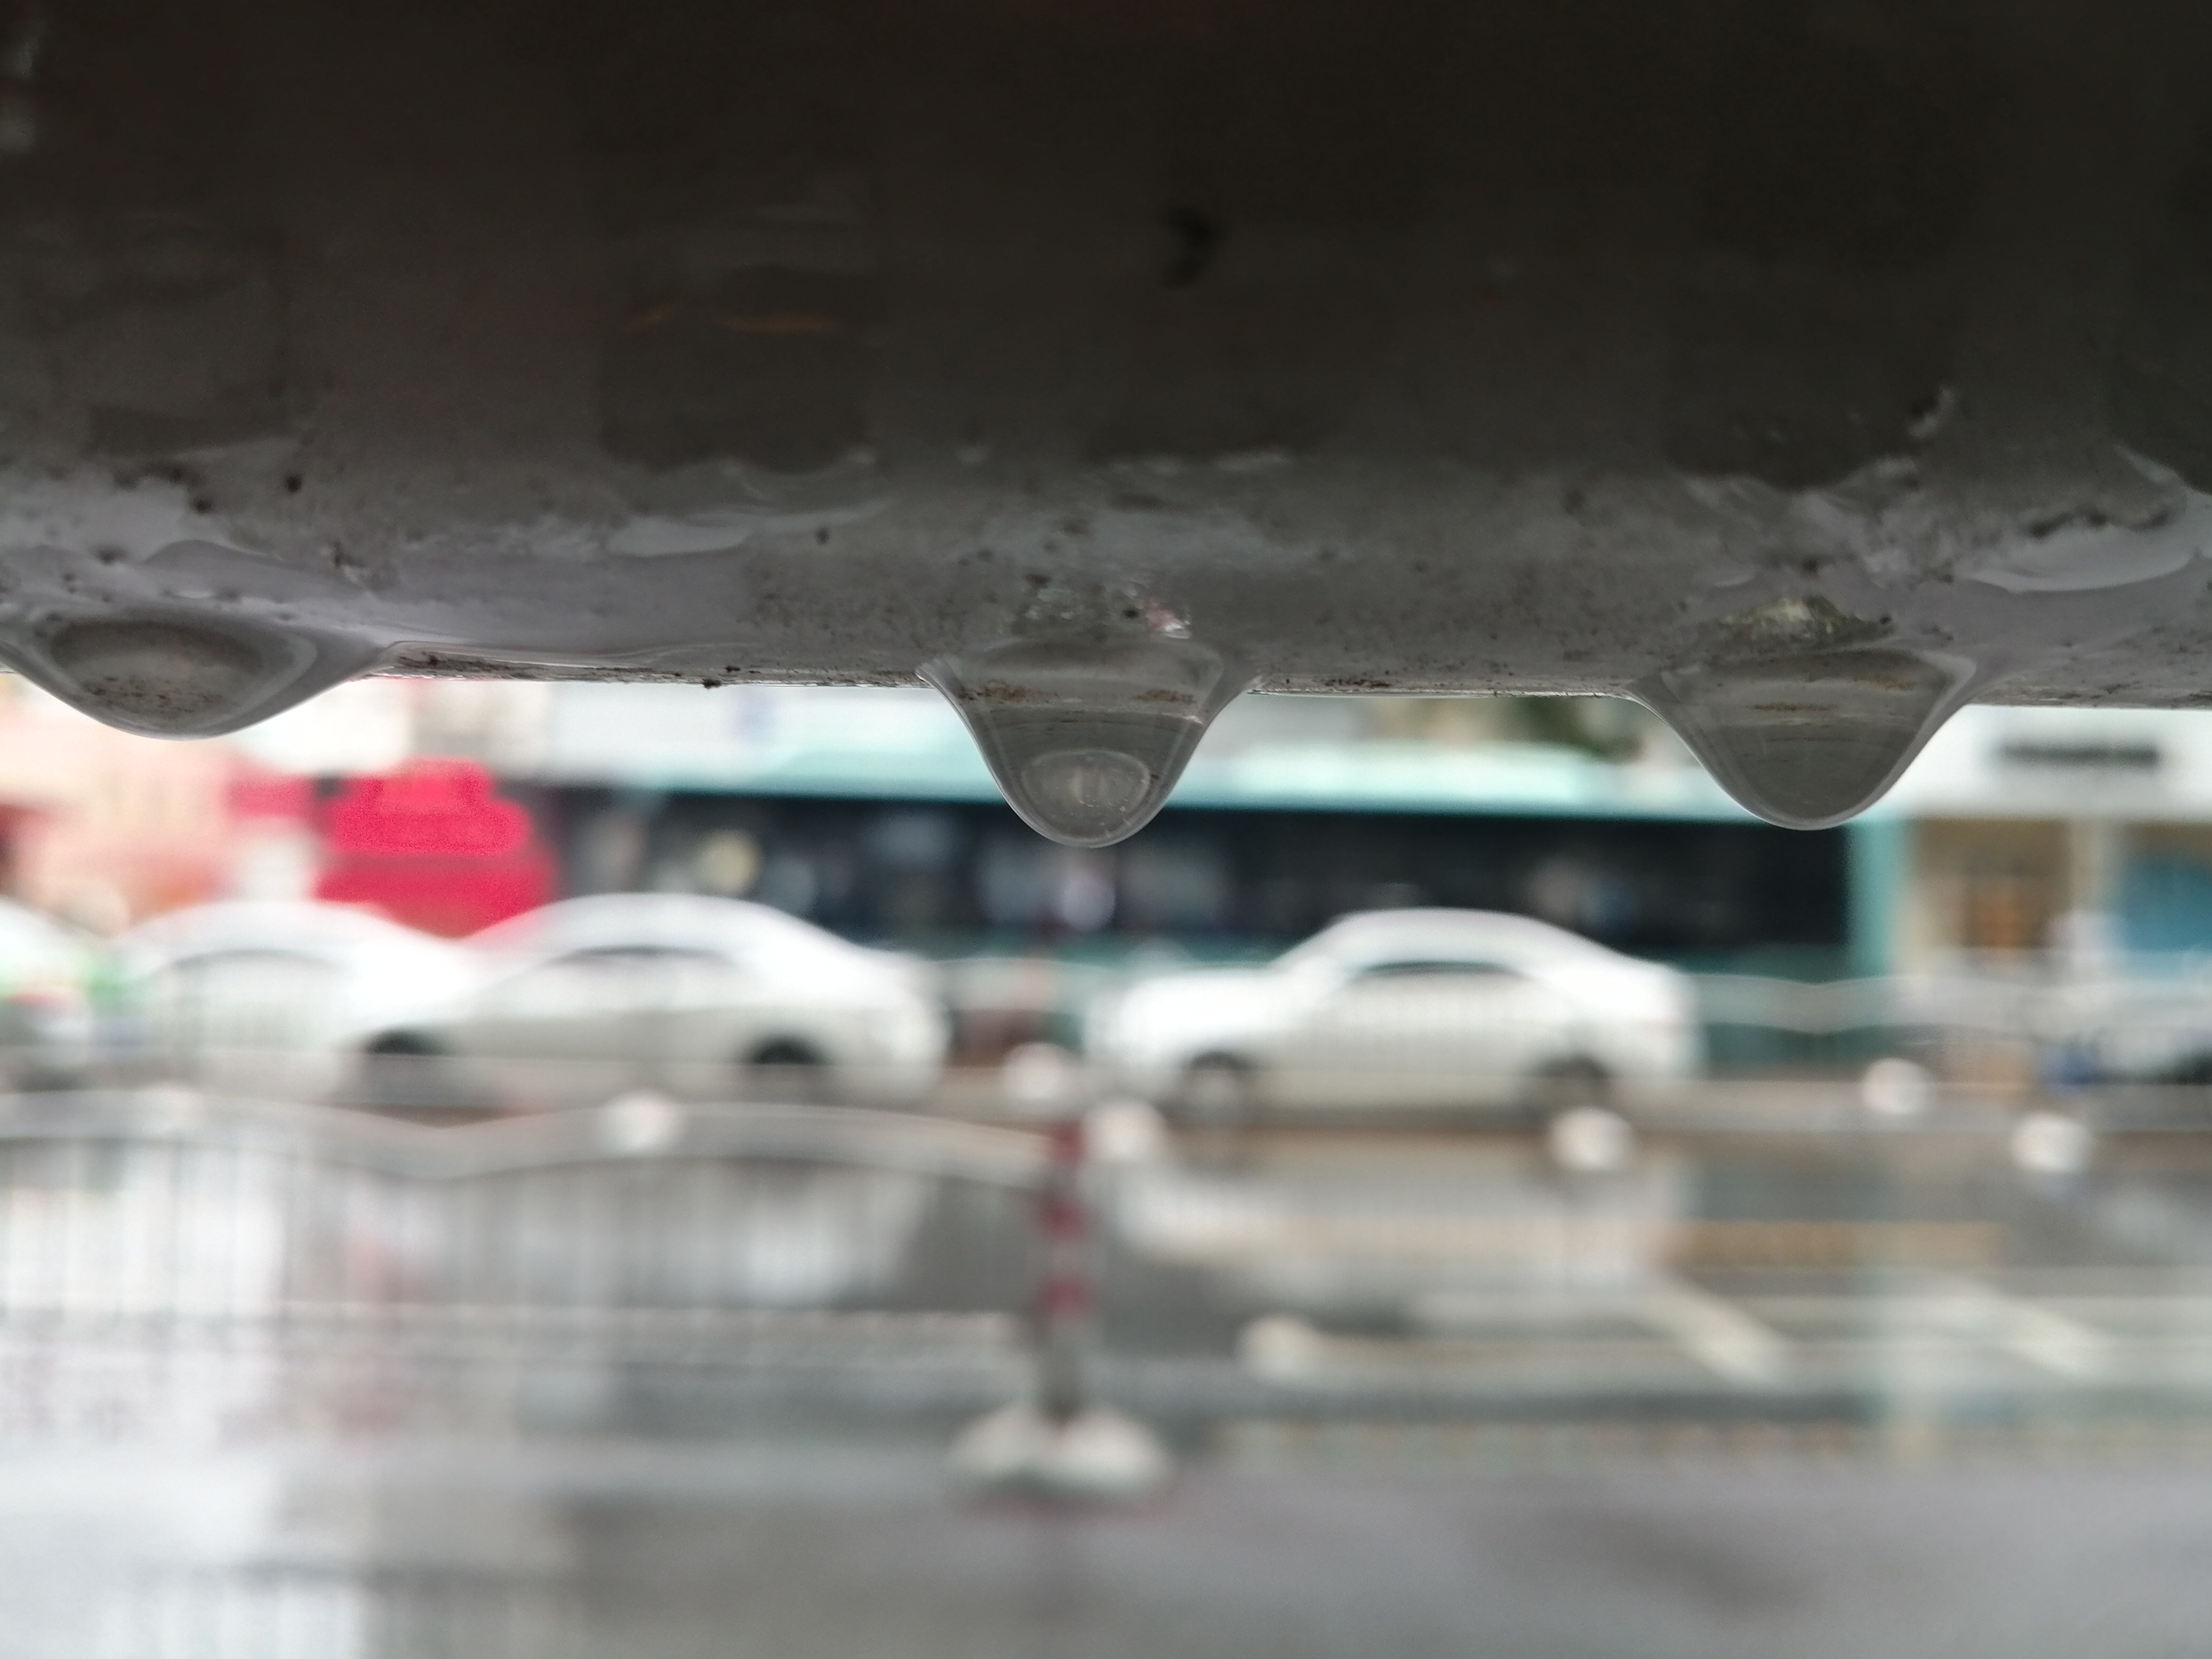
x: 707, y: 1014
x: 247, y: 1018
x: 567, y: 1030
x: 1418, y: 1031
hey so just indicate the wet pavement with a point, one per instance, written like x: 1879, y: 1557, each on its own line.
x: 799, y: 1550
x: 1782, y: 1394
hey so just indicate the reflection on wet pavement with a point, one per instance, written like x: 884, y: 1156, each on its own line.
x: 294, y: 1383
x: 822, y: 1552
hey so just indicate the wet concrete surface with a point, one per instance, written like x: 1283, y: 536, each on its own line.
x: 839, y: 1552
x: 1796, y: 1398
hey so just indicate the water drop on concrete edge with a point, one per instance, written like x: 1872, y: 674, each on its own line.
x: 1810, y: 740
x: 1087, y: 736
x: 166, y: 675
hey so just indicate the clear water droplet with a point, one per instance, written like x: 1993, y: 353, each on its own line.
x: 1087, y: 736
x: 1100, y: 787
x: 1809, y: 739
x: 181, y: 677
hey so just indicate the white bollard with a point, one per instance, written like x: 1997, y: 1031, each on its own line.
x: 1098, y: 1454
x: 1058, y: 1444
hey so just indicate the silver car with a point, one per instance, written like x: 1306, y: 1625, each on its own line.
x: 1405, y: 1009
x: 695, y: 997
x: 270, y: 996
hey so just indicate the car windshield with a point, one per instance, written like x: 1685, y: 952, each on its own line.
x: 658, y: 922
x: 1359, y: 944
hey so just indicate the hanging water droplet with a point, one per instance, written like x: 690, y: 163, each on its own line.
x: 173, y: 677
x: 1808, y: 739
x: 1087, y: 736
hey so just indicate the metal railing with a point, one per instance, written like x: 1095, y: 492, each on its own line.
x: 887, y: 1253
x: 226, y: 1261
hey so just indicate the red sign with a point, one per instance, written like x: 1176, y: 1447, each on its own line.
x: 434, y: 845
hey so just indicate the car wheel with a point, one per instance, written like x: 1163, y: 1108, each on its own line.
x: 2194, y: 1071
x: 407, y: 1072
x: 785, y: 1071
x: 1217, y: 1092
x: 1565, y: 1084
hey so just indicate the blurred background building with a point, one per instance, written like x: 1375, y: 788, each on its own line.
x: 450, y: 805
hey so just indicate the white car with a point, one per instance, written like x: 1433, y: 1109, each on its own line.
x: 271, y: 996
x: 1405, y: 1009
x: 698, y: 998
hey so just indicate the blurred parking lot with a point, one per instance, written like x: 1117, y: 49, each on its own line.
x: 1296, y: 1233
x: 674, y: 1378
